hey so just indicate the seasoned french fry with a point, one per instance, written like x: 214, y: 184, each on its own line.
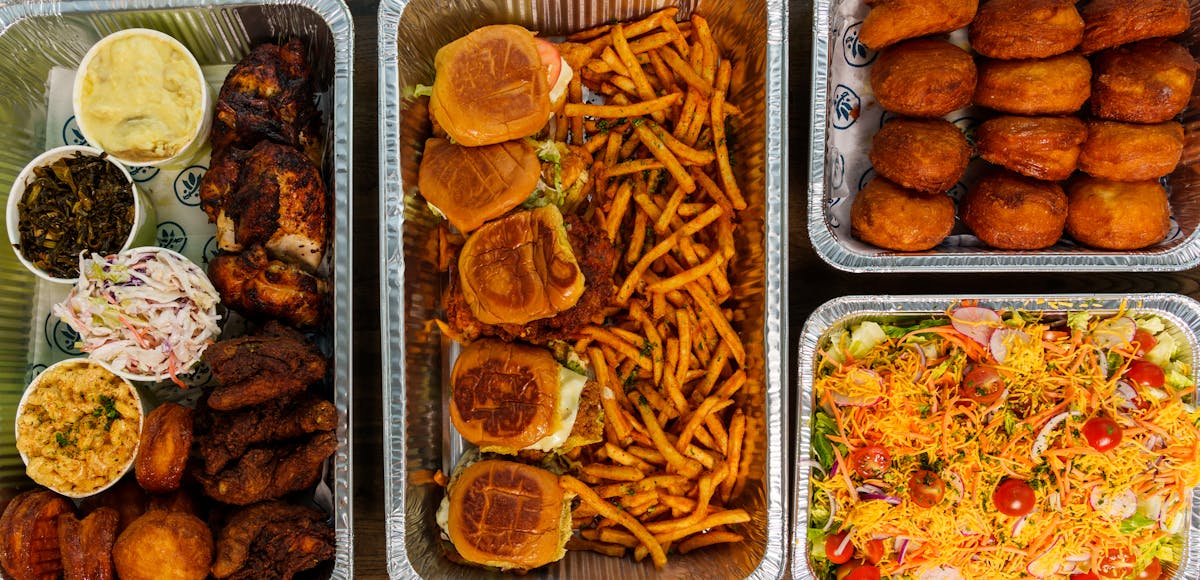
x: 632, y: 166
x: 681, y: 464
x: 737, y: 432
x: 613, y: 472
x: 684, y: 70
x: 690, y: 228
x: 621, y: 111
x: 634, y: 70
x: 582, y: 544
x: 661, y: 152
x: 702, y: 540
x: 610, y: 511
x: 718, y: 127
x: 714, y: 314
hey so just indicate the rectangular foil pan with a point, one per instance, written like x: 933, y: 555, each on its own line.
x: 846, y: 116
x: 417, y: 432
x: 38, y: 36
x: 1178, y: 311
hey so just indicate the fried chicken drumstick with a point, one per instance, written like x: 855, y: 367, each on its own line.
x: 272, y: 540
x: 269, y: 473
x: 256, y: 369
x: 227, y: 436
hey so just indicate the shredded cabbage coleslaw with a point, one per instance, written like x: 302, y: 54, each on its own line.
x: 148, y: 313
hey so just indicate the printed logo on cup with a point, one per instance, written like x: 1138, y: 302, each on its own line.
x: 171, y: 236
x: 846, y: 107
x: 61, y: 336
x: 143, y: 174
x: 856, y: 53
x: 71, y: 135
x: 187, y: 185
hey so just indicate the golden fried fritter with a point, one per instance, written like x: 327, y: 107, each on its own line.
x: 1144, y: 82
x: 164, y: 545
x: 927, y: 77
x: 894, y: 218
x: 1057, y: 85
x: 1014, y: 212
x: 1011, y: 29
x: 891, y: 21
x: 1042, y: 147
x: 29, y: 545
x: 927, y: 155
x: 86, y: 544
x: 1109, y: 23
x: 1114, y: 215
x: 163, y: 451
x: 1129, y: 152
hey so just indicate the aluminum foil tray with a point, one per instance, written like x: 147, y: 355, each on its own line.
x: 417, y: 433
x: 1178, y: 311
x: 846, y: 116
x: 41, y: 40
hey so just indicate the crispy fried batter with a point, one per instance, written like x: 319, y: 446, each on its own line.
x: 126, y: 497
x: 29, y: 546
x: 1111, y: 23
x: 1057, y: 85
x: 223, y: 437
x: 259, y: 287
x: 87, y: 545
x: 254, y: 369
x: 1145, y: 82
x: 894, y: 218
x: 164, y: 545
x: 1129, y: 152
x: 1012, y: 29
x: 928, y: 155
x: 1042, y: 147
x: 596, y: 256
x: 163, y: 451
x: 1115, y: 215
x: 272, y: 540
x: 269, y: 473
x: 927, y: 77
x: 891, y: 21
x: 1014, y: 212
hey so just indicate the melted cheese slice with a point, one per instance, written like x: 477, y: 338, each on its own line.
x: 559, y: 91
x: 570, y: 386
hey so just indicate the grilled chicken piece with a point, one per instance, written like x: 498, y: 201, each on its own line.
x: 87, y: 545
x: 29, y: 535
x: 256, y: 369
x: 224, y: 437
x: 163, y: 451
x: 268, y: 95
x: 258, y: 288
x: 270, y: 472
x: 271, y: 195
x: 272, y: 540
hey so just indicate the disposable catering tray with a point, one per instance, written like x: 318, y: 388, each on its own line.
x: 418, y: 437
x: 42, y: 43
x: 846, y: 116
x: 1180, y: 313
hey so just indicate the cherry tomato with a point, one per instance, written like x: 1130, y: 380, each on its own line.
x: 1144, y: 340
x: 1102, y: 433
x: 870, y: 462
x: 926, y: 488
x: 1145, y: 373
x: 1085, y: 576
x: 1115, y: 563
x: 982, y: 385
x: 864, y: 573
x: 844, y: 570
x: 551, y: 59
x: 874, y: 551
x: 1014, y: 497
x: 1152, y: 571
x: 833, y: 542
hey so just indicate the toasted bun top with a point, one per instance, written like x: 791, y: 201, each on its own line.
x: 490, y: 86
x: 504, y: 394
x: 472, y: 185
x: 520, y: 268
x: 508, y: 515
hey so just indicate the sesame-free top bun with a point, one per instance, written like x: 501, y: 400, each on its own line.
x: 504, y: 394
x: 471, y: 185
x: 490, y: 86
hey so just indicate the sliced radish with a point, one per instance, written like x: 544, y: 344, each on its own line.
x: 862, y: 380
x: 1114, y: 332
x: 1129, y: 396
x: 1043, y: 438
x: 922, y: 361
x: 1002, y: 338
x: 942, y: 573
x: 832, y: 510
x: 1046, y: 564
x: 845, y: 401
x: 1113, y: 506
x: 975, y: 322
x: 956, y: 482
x: 1019, y: 525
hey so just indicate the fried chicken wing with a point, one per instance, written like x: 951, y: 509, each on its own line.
x: 1042, y: 147
x: 1011, y: 29
x: 259, y: 287
x: 87, y: 545
x: 163, y: 451
x: 894, y: 218
x: 1109, y: 23
x: 891, y: 21
x: 272, y: 540
x: 1144, y: 82
x: 928, y: 155
x: 164, y: 545
x: 29, y: 546
x: 255, y: 369
x: 268, y: 95
x: 225, y: 436
x: 927, y: 77
x: 1130, y: 152
x: 1057, y: 85
x: 1014, y: 212
x: 269, y: 473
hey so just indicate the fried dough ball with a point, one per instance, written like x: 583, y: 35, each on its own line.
x: 1130, y: 152
x: 1144, y: 82
x: 1109, y: 23
x: 928, y: 155
x: 1014, y: 212
x: 1114, y: 215
x: 927, y: 77
x: 1057, y: 85
x: 1011, y: 29
x: 894, y: 218
x: 1042, y: 147
x: 164, y: 545
x: 891, y: 21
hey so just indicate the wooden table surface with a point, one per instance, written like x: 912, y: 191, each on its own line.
x: 811, y: 281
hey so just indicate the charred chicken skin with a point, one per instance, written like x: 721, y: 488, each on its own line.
x: 256, y: 369
x: 259, y: 287
x: 272, y: 540
x: 226, y: 436
x: 270, y: 473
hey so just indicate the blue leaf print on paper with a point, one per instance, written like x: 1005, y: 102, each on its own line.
x: 60, y: 335
x: 143, y: 174
x: 854, y: 52
x: 846, y: 107
x: 837, y: 171
x: 71, y: 135
x: 171, y: 236
x: 32, y: 371
x: 187, y: 185
x: 211, y: 249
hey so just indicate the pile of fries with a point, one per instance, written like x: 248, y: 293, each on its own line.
x: 676, y: 386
